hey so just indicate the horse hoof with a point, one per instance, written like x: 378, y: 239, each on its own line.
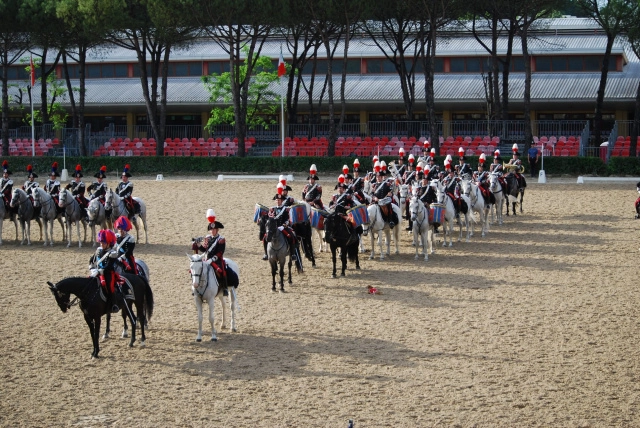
x: 273, y: 290
x: 234, y: 329
x: 357, y: 267
x: 130, y: 345
x: 105, y: 337
x: 143, y: 343
x: 282, y: 290
x: 342, y: 274
x: 214, y: 339
x: 333, y: 275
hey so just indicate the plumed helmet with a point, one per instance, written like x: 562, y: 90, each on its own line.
x: 282, y: 179
x: 278, y: 196
x: 312, y: 172
x: 433, y: 152
x: 215, y: 225
x: 420, y: 166
x: 341, y: 178
x: 341, y: 186
x: 125, y: 171
x: 211, y: 215
x: 412, y: 158
x: 107, y: 236
x: 375, y: 158
x: 78, y: 171
x: 279, y: 188
x: 5, y: 167
x: 496, y: 153
x: 30, y: 173
x: 426, y: 144
x: 401, y: 153
x: 122, y: 223
x: 383, y: 165
x: 482, y: 158
x: 102, y: 173
x: 356, y: 163
x: 376, y: 166
x: 54, y: 170
x: 460, y: 151
x: 345, y: 169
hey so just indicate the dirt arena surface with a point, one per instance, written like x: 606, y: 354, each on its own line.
x: 534, y: 325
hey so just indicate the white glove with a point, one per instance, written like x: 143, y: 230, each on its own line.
x: 214, y: 259
x: 113, y: 255
x: 94, y: 273
x: 280, y: 228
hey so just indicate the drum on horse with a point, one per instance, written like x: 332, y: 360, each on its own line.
x: 338, y: 234
x: 48, y: 214
x: 205, y: 288
x: 478, y: 204
x: 316, y: 221
x: 93, y: 303
x: 26, y: 213
x: 278, y: 253
x: 299, y: 218
x: 515, y: 187
x: 450, y: 213
x: 73, y: 213
x: 423, y: 235
x: 97, y: 218
x: 117, y: 206
x: 499, y: 193
x: 377, y: 225
x: 6, y: 214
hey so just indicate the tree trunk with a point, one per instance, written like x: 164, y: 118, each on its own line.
x: 528, y: 134
x: 597, y: 128
x: 635, y: 130
x: 5, y: 104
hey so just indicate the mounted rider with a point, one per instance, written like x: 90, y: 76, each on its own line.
x: 452, y: 188
x: 281, y: 214
x: 6, y: 187
x: 425, y: 152
x: 515, y: 160
x: 497, y: 168
x: 382, y: 195
x: 78, y: 187
x: 125, y: 191
x: 355, y: 184
x: 126, y: 245
x: 402, y: 167
x: 480, y: 170
x: 213, y: 246
x: 288, y: 200
x: 312, y: 192
x: 31, y: 183
x: 98, y: 189
x: 104, y: 260
x: 52, y: 186
x: 463, y: 166
x: 638, y: 202
x: 434, y: 170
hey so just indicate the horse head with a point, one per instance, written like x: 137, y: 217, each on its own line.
x: 64, y: 198
x: 494, y: 184
x: 404, y: 192
x: 271, y: 227
x: 414, y: 205
x: 15, y: 198
x: 62, y: 298
x: 93, y: 209
x: 465, y: 185
x: 109, y: 199
x: 196, y: 268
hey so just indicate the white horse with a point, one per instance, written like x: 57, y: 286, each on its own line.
x: 117, y: 206
x: 4, y: 215
x: 73, y: 213
x: 478, y: 204
x: 423, y: 235
x: 450, y: 213
x: 205, y: 288
x: 499, y: 193
x: 97, y: 217
x: 377, y: 225
x: 48, y: 214
x: 26, y: 213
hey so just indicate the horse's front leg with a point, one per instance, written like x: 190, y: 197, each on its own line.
x: 343, y: 259
x: 28, y: 233
x: 94, y: 329
x: 333, y: 260
x: 198, y: 302
x: 39, y: 221
x: 289, y: 265
x: 133, y: 324
x: 274, y: 272
x: 373, y: 245
x: 78, y: 233
x: 387, y: 236
x: 69, y: 233
x: 521, y: 198
x: 234, y: 307
x: 125, y: 326
x: 142, y: 321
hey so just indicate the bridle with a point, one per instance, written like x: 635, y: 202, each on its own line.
x: 419, y: 211
x: 274, y: 233
x: 199, y: 276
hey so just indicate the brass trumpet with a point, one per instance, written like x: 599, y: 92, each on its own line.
x: 510, y: 167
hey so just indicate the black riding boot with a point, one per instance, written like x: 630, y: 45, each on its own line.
x: 393, y: 219
x: 410, y: 227
x: 112, y: 302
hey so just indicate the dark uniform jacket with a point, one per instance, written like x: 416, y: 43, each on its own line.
x: 52, y: 187
x: 124, y: 190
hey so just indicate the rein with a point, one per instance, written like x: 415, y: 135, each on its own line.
x: 199, y: 276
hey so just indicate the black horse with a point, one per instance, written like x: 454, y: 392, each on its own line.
x: 515, y: 188
x: 87, y: 291
x: 338, y: 234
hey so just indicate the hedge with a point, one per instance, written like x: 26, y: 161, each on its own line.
x: 209, y: 166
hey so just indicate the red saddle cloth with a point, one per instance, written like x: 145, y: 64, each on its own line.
x: 638, y: 205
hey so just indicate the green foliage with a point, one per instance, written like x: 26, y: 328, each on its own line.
x: 261, y: 100
x: 56, y: 91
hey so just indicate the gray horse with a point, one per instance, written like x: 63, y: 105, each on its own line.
x: 278, y: 252
x: 97, y: 217
x: 26, y: 213
x: 117, y: 206
x: 48, y: 214
x: 4, y: 215
x: 73, y: 214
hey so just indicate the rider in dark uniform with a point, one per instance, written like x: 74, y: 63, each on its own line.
x: 463, y: 167
x: 434, y: 170
x: 402, y: 167
x: 480, y: 170
x: 213, y: 245
x: 126, y: 245
x: 78, y: 187
x: 52, y: 186
x: 381, y: 189
x: 515, y: 160
x: 638, y: 202
x: 312, y: 192
x: 104, y: 260
x: 125, y: 191
x: 6, y: 187
x: 31, y: 183
x: 281, y: 214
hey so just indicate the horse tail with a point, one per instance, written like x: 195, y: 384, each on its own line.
x: 148, y: 299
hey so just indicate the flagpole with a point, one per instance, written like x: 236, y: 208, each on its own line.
x: 282, y: 114
x: 33, y: 128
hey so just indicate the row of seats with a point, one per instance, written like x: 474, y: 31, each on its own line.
x: 24, y: 147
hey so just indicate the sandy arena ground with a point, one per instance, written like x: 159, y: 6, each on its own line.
x: 534, y: 325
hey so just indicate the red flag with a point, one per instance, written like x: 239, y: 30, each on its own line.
x: 281, y: 68
x: 32, y: 73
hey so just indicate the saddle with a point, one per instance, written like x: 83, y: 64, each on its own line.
x: 385, y: 209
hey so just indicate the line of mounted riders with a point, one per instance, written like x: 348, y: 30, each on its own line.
x: 52, y: 201
x: 296, y: 219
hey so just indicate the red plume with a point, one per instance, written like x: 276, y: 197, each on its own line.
x: 103, y: 168
x: 279, y: 188
x: 426, y: 144
x: 29, y: 168
x: 345, y: 169
x: 356, y: 163
x: 55, y: 165
x: 341, y: 178
x: 78, y: 167
x: 5, y: 163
